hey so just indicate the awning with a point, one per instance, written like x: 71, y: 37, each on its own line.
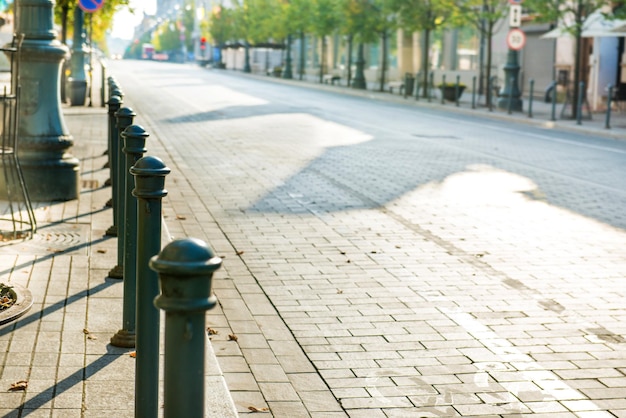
x: 595, y: 26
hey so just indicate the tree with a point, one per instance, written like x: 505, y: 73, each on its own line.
x: 571, y: 16
x: 221, y: 28
x: 326, y: 20
x: 298, y: 20
x: 102, y: 20
x: 484, y: 15
x: 427, y: 16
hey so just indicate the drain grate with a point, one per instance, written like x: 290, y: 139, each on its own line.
x: 53, y: 239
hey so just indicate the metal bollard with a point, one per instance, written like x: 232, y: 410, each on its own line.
x: 114, y: 103
x: 553, y: 114
x: 103, y: 71
x: 430, y: 85
x: 490, y: 93
x: 579, y: 103
x: 418, y: 82
x: 456, y: 89
x: 185, y: 270
x: 474, y: 92
x: 134, y: 147
x: 117, y: 91
x: 443, y: 86
x: 530, y: 98
x: 607, y: 121
x: 124, y: 119
x: 149, y: 173
x: 510, y: 104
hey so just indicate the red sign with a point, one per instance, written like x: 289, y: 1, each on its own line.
x: 516, y: 39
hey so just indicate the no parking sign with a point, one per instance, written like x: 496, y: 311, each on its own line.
x: 90, y: 6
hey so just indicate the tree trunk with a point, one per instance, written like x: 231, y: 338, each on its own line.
x: 349, y: 77
x: 383, y: 61
x: 64, y: 12
x: 323, y: 59
x: 301, y: 57
x: 577, y: 57
x: 425, y: 61
x: 489, y: 95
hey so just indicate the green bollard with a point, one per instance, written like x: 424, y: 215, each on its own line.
x: 553, y: 97
x: 418, y: 81
x: 185, y: 270
x: 579, y: 103
x: 474, y: 92
x: 430, y: 86
x: 456, y: 89
x: 134, y: 147
x: 114, y: 103
x: 124, y: 118
x: 149, y: 173
x: 607, y: 119
x: 530, y: 98
x: 443, y: 86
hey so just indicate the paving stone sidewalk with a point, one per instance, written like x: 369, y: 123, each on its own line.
x: 61, y: 346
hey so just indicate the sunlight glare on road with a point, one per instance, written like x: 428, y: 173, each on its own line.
x: 296, y: 129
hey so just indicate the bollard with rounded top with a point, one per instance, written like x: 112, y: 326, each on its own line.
x: 124, y: 118
x: 457, y: 88
x: 431, y: 85
x: 579, y: 103
x: 443, y: 85
x: 134, y: 147
x: 149, y: 173
x: 185, y: 269
x: 609, y: 98
x: 531, y: 93
x: 474, y: 92
x: 114, y: 103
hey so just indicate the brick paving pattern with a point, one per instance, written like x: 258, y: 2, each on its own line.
x: 367, y: 272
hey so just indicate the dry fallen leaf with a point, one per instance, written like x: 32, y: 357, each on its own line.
x: 232, y: 337
x: 102, y: 251
x: 212, y: 331
x: 133, y: 354
x: 239, y: 252
x: 255, y: 409
x: 339, y: 291
x: 181, y: 217
x: 19, y: 385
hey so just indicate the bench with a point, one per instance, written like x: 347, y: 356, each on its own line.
x: 330, y: 79
x: 396, y: 85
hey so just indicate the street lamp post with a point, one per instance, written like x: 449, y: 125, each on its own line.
x: 359, y: 76
x: 51, y: 173
x: 77, y: 82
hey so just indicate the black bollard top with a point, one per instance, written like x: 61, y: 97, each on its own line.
x: 134, y: 138
x: 116, y: 91
x: 124, y: 117
x: 149, y: 175
x: 115, y: 102
x: 185, y: 268
x: 186, y: 257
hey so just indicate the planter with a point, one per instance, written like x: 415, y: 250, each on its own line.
x: 449, y: 92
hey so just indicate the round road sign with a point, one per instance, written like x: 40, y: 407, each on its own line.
x: 516, y: 39
x: 90, y: 6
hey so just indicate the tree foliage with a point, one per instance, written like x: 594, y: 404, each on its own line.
x: 101, y: 20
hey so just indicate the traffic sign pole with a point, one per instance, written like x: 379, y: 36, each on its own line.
x: 510, y: 95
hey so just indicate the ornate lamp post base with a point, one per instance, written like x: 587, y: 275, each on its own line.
x: 50, y: 172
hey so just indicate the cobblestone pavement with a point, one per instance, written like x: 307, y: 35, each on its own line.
x: 371, y: 271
